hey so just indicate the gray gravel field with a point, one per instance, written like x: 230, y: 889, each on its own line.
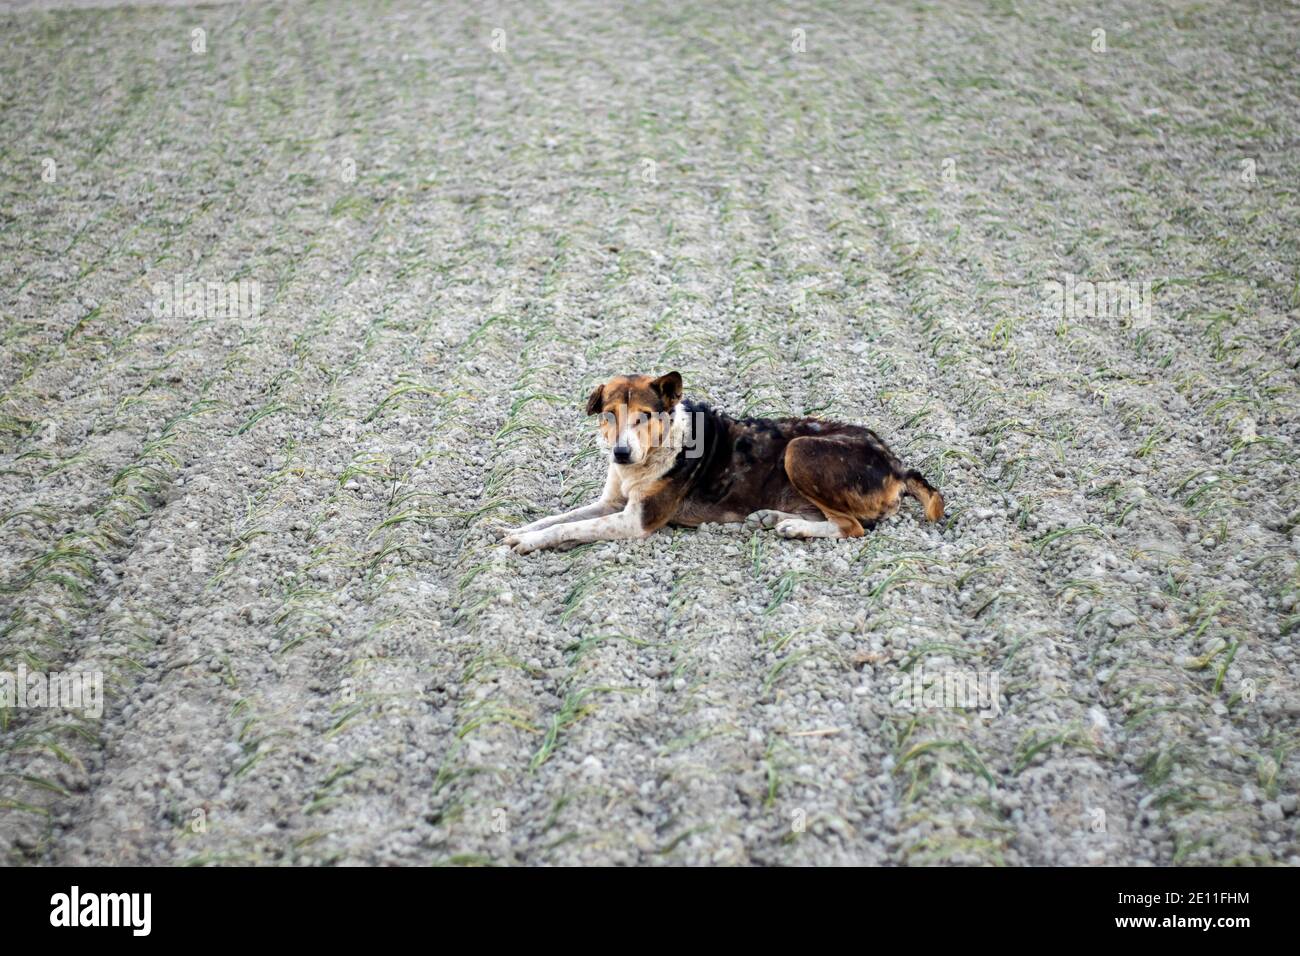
x: 272, y: 523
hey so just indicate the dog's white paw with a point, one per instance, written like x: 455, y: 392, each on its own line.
x: 526, y: 542
x: 511, y: 536
x: 799, y: 528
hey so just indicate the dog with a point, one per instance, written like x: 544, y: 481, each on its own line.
x: 680, y: 462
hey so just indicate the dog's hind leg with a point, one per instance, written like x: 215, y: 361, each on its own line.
x: 822, y: 470
x: 834, y: 527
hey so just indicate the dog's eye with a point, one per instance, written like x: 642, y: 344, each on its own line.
x: 609, y: 418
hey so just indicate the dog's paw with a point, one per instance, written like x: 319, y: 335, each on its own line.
x: 511, y: 536
x: 765, y: 519
x: 526, y: 542
x: 799, y: 528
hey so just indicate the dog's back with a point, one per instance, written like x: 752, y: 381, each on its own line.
x: 744, y: 466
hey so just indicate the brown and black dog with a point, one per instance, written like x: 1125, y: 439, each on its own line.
x: 674, y: 461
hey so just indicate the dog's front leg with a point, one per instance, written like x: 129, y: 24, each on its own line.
x: 611, y: 501
x: 597, y: 510
x: 615, y: 527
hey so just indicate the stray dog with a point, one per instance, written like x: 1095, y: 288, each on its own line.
x: 675, y: 461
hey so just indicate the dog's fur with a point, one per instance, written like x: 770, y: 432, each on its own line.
x: 674, y: 461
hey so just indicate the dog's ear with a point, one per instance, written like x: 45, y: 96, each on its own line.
x: 669, y: 388
x: 596, y: 400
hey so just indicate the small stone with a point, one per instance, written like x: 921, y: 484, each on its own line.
x: 1123, y: 618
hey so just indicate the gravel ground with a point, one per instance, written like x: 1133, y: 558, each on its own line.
x: 275, y: 532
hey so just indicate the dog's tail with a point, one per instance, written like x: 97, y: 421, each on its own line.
x: 926, y: 493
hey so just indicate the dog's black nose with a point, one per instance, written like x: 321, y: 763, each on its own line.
x: 622, y: 455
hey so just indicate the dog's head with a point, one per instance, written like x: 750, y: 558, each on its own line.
x: 635, y: 412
